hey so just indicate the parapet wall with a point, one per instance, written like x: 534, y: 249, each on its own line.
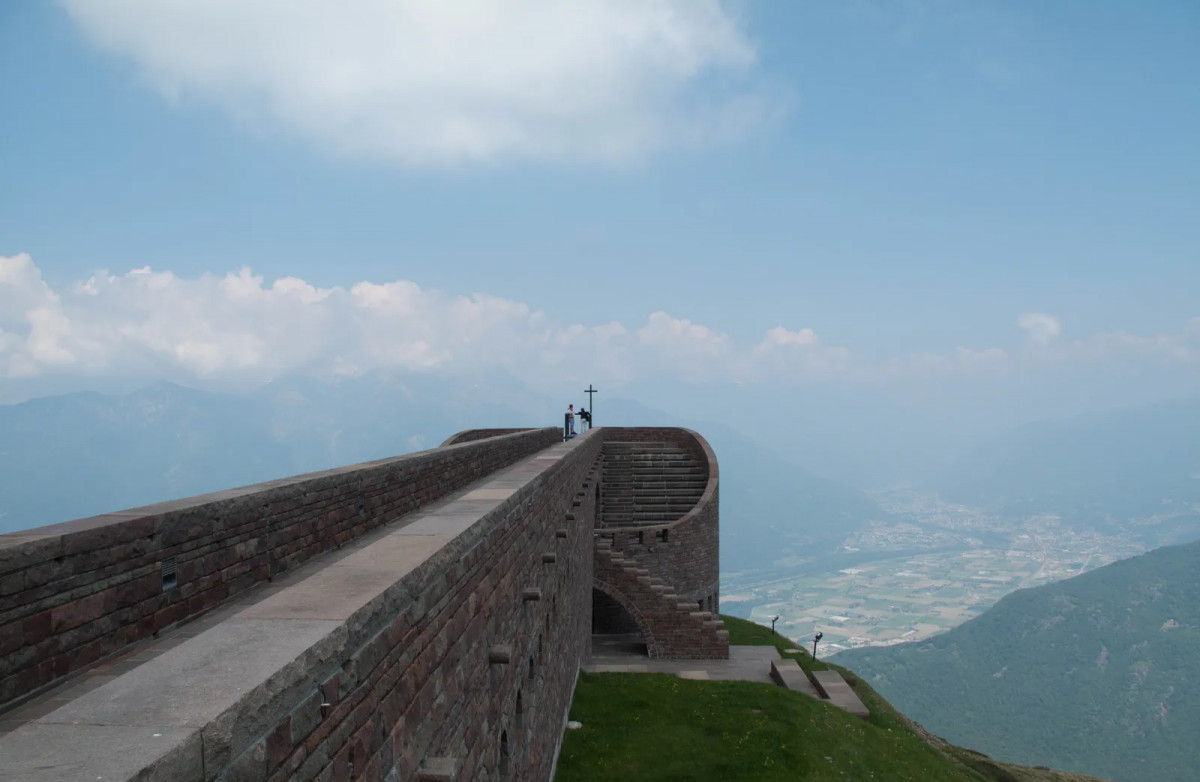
x: 72, y: 593
x: 471, y: 435
x: 466, y: 666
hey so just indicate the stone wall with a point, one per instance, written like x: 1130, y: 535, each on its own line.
x: 684, y: 553
x: 473, y: 678
x: 72, y: 593
x: 471, y: 435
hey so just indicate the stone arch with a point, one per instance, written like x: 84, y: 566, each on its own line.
x: 631, y: 607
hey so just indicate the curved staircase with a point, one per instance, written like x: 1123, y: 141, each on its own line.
x: 647, y: 483
x: 672, y: 627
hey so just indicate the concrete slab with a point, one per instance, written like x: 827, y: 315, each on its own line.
x: 461, y: 507
x: 789, y: 674
x: 33, y: 753
x: 614, y: 654
x: 448, y: 524
x: 489, y: 494
x: 341, y: 588
x: 839, y: 693
x: 198, y: 680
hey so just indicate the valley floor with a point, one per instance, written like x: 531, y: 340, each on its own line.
x: 956, y: 562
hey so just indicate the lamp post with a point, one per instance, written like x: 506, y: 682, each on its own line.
x: 816, y: 638
x: 774, y: 619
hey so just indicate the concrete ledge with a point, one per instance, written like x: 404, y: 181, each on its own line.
x: 789, y: 674
x: 833, y: 687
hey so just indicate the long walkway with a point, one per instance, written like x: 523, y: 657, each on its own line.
x: 149, y: 705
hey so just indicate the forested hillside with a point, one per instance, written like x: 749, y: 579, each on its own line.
x: 1098, y: 674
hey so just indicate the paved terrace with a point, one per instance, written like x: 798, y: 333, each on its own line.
x: 625, y: 654
x: 161, y: 709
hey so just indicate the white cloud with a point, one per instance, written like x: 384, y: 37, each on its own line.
x: 1041, y: 329
x: 801, y: 353
x: 426, y: 82
x: 239, y: 330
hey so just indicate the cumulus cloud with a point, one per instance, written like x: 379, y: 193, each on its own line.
x: 1041, y: 329
x: 426, y: 82
x: 241, y: 330
x: 801, y: 353
x: 237, y: 328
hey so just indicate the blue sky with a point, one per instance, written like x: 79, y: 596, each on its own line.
x: 894, y: 187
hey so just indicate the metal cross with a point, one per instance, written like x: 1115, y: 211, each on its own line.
x: 591, y: 405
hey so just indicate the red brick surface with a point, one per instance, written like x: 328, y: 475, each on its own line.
x: 67, y: 586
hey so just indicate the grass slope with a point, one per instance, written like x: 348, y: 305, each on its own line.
x: 658, y: 727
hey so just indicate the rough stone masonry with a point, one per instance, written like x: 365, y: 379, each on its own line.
x: 422, y: 617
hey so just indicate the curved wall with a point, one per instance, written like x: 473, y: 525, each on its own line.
x: 685, y: 552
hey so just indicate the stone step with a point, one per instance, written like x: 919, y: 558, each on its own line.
x: 631, y: 525
x: 834, y: 688
x: 787, y: 673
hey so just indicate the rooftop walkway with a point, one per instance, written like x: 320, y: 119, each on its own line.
x: 148, y: 706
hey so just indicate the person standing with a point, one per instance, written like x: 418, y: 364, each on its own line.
x: 570, y: 420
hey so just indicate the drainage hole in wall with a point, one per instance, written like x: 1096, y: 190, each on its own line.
x: 169, y: 579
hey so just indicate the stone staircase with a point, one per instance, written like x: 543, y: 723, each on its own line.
x: 648, y: 483
x: 673, y: 626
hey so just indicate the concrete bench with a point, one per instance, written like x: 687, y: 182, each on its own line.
x: 789, y: 674
x: 834, y: 688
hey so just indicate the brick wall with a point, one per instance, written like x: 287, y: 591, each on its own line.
x: 471, y: 435
x: 75, y: 592
x: 468, y: 664
x: 684, y: 553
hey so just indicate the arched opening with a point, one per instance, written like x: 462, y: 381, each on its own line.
x: 615, y: 631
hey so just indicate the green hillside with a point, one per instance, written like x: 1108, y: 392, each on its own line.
x: 657, y: 727
x: 1098, y: 674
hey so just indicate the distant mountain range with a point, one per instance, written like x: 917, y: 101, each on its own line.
x: 1135, y: 470
x: 1098, y: 674
x: 75, y: 455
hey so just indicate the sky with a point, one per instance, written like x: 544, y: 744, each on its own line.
x: 970, y: 213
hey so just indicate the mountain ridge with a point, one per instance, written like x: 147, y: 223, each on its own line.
x: 1096, y: 674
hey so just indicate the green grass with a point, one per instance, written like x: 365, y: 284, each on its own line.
x: 658, y: 727
x: 643, y: 727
